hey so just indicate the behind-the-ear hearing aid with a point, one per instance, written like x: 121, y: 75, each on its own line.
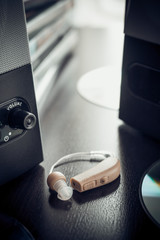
x: 104, y: 172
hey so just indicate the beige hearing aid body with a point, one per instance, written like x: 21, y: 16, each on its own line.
x: 104, y: 172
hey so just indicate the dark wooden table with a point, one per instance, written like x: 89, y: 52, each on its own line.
x: 71, y: 124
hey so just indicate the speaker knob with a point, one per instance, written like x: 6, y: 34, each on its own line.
x: 19, y: 118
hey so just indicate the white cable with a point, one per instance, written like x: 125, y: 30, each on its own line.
x: 82, y: 156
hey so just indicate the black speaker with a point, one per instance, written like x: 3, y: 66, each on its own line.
x: 20, y: 140
x: 140, y: 87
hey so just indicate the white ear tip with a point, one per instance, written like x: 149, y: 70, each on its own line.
x: 65, y: 193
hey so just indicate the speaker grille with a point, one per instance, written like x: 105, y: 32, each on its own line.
x: 14, y: 51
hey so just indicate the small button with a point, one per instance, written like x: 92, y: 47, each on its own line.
x: 104, y: 180
x: 6, y: 138
x: 89, y: 185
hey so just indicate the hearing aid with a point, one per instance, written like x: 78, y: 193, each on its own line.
x: 106, y: 171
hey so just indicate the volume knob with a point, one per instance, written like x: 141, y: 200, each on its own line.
x: 19, y: 118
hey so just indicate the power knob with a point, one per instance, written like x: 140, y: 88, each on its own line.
x: 19, y: 118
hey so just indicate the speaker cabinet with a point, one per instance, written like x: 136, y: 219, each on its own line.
x: 20, y: 140
x: 140, y: 87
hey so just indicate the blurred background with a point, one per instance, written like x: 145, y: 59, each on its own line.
x: 74, y: 37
